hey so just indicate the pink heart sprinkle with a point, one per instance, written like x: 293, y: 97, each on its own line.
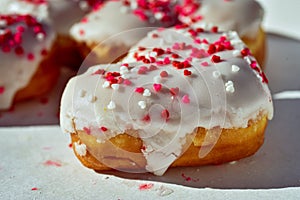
x: 139, y: 89
x: 146, y: 186
x: 127, y: 82
x: 157, y: 87
x: 167, y: 60
x: 52, y: 163
x: 152, y: 68
x: 186, y: 99
x: 144, y: 68
x: 164, y: 74
x: 205, y: 64
x: 87, y: 130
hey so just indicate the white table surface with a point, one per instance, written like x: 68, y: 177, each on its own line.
x: 36, y: 163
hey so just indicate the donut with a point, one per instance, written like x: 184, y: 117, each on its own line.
x: 198, y: 98
x: 111, y: 29
x: 26, y: 53
x: 243, y: 16
x: 118, y: 22
x: 53, y: 12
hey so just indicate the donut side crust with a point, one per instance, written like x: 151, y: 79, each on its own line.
x: 233, y: 144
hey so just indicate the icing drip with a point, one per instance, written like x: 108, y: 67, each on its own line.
x: 26, y: 42
x: 172, y: 82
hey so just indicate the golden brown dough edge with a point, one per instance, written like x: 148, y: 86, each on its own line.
x: 232, y: 145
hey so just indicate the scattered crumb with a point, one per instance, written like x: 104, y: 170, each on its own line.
x: 188, y: 178
x: 164, y: 191
x: 145, y: 186
x: 233, y: 162
x: 52, y: 163
x: 80, y: 149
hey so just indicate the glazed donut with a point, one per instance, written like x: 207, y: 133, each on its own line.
x: 114, y: 18
x: 198, y: 98
x: 243, y: 16
x: 52, y: 13
x: 27, y: 66
x: 60, y: 15
x: 120, y: 16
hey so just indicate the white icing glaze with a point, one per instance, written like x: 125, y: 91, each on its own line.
x: 243, y: 16
x: 202, y: 99
x: 40, y: 11
x: 15, y: 70
x: 110, y: 21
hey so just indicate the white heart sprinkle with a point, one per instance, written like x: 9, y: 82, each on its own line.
x: 123, y: 70
x: 147, y: 93
x: 216, y: 74
x: 115, y: 86
x: 235, y: 68
x: 228, y: 83
x: 111, y: 105
x: 106, y: 84
x: 142, y: 104
x: 152, y: 54
x: 158, y: 15
x: 229, y: 87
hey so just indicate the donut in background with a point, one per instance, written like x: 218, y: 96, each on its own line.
x: 28, y: 68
